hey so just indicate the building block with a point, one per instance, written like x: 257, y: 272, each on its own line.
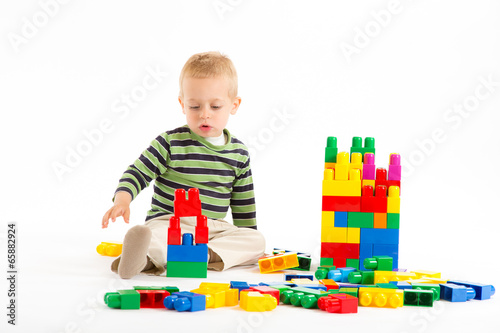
x: 365, y: 251
x: 483, y: 291
x: 111, y: 249
x: 374, y: 203
x: 329, y: 284
x: 393, y: 200
x: 331, y: 150
x: 352, y: 263
x: 185, y: 301
x: 345, y: 273
x: 305, y: 259
x: 349, y: 291
x: 264, y: 290
x: 278, y: 262
x: 359, y: 220
x: 201, y: 230
x: 185, y: 269
x: 305, y: 297
x: 369, y: 146
x: 435, y: 288
x: 187, y: 251
x: 123, y: 299
x: 322, y: 272
x: 380, y: 220
x: 341, y: 203
x: 338, y: 303
x: 333, y: 235
x: 380, y: 263
x: 353, y: 235
x: 240, y: 285
x: 361, y: 277
x: 403, y: 285
x: 388, y: 276
x: 339, y: 187
x: 190, y: 206
x: 335, y: 275
x: 369, y: 167
x: 390, y: 250
x: 456, y: 293
x: 415, y: 297
x: 152, y: 298
x: 218, y: 294
x: 394, y: 167
x: 422, y: 273
x: 341, y: 219
x: 379, y: 236
x: 341, y: 171
x: 328, y: 219
x: 380, y: 297
x: 256, y: 302
x: 392, y: 221
x: 356, y: 162
x: 174, y: 231
x: 326, y: 261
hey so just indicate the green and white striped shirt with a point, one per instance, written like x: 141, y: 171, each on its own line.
x: 182, y: 159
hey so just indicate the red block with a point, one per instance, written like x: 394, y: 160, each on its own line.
x: 153, y: 298
x: 338, y: 303
x: 187, y: 207
x: 268, y: 290
x: 339, y: 250
x: 367, y: 199
x: 341, y: 204
x: 339, y: 262
x: 380, y: 199
x: 174, y: 232
x: 201, y: 230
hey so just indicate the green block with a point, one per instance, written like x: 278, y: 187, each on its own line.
x: 349, y: 291
x: 322, y: 272
x: 326, y: 261
x: 362, y: 277
x: 436, y: 288
x: 281, y: 287
x: 354, y: 263
x: 123, y: 299
x: 185, y: 269
x: 331, y: 150
x: 357, y: 147
x: 415, y: 297
x: 387, y: 285
x: 392, y: 221
x: 384, y: 263
x: 169, y: 289
x: 359, y: 220
x: 304, y: 263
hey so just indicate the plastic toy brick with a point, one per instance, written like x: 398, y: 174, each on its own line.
x: 240, y: 285
x: 268, y: 291
x: 167, y: 288
x: 363, y: 277
x: 369, y: 167
x: 388, y: 276
x: 380, y: 220
x: 379, y: 236
x: 322, y: 271
x: 218, y: 294
x: 338, y: 303
x: 328, y: 219
x: 305, y: 297
x: 333, y: 235
x: 415, y: 297
x: 289, y: 277
x: 317, y: 286
x: 348, y: 188
x: 374, y: 203
x: 344, y: 271
x: 123, y: 299
x: 278, y: 262
x: 326, y: 261
x: 352, y: 263
x: 380, y: 263
x: 403, y: 285
x: 185, y: 301
x: 456, y: 293
x: 393, y: 200
x: 349, y: 291
x: 329, y: 284
x: 435, y: 288
x: 185, y: 269
x: 356, y: 162
x: 190, y: 206
x: 394, y: 167
x: 422, y: 273
x: 110, y: 249
x: 174, y: 231
x: 257, y: 302
x: 341, y: 167
x: 392, y: 221
x: 382, y: 298
x: 302, y: 281
x: 201, y: 230
x: 483, y: 291
x: 331, y: 150
x: 187, y: 251
x: 390, y: 250
x: 365, y: 251
x: 341, y: 203
x: 335, y: 275
x: 359, y: 220
x: 353, y: 235
x: 341, y: 219
x: 357, y: 147
x: 304, y: 263
x: 152, y: 298
x: 339, y: 250
x: 381, y: 177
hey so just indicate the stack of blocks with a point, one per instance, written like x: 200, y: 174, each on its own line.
x: 360, y: 208
x: 187, y: 259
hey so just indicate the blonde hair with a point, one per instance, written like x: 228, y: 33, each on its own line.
x: 210, y: 65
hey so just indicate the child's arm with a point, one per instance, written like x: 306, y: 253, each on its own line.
x: 121, y: 207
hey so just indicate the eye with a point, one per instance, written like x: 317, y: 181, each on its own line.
x: 216, y: 107
x: 194, y: 107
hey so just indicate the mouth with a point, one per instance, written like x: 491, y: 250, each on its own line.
x: 205, y: 127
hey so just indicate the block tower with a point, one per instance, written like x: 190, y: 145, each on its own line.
x: 185, y: 258
x: 360, y: 207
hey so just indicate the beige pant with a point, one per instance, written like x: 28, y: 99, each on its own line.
x: 234, y: 245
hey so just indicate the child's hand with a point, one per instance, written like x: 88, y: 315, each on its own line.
x: 120, y: 208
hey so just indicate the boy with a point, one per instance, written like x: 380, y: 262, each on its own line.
x: 201, y: 154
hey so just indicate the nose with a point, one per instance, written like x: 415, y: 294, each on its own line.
x: 205, y: 113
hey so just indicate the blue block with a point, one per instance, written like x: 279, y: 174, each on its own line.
x: 345, y: 272
x: 335, y: 275
x: 276, y: 283
x: 185, y: 301
x: 340, y: 219
x: 289, y: 277
x: 455, y: 293
x: 240, y: 285
x: 365, y: 250
x: 483, y: 291
x: 314, y: 286
x: 187, y: 253
x: 379, y: 236
x: 401, y: 284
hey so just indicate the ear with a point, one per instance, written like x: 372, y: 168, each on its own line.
x: 182, y: 105
x: 236, y: 105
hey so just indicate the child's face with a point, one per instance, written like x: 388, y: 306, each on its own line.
x: 207, y: 105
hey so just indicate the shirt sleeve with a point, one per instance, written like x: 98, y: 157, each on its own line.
x: 152, y: 163
x: 243, y: 199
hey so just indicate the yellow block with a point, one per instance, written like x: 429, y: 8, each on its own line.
x: 365, y: 182
x: 302, y: 281
x: 111, y: 249
x: 347, y: 188
x: 388, y: 276
x: 356, y: 162
x: 278, y: 262
x: 353, y: 235
x: 257, y: 302
x: 393, y: 200
x: 422, y: 273
x: 330, y: 165
x: 327, y: 219
x: 333, y: 235
x: 342, y: 166
x: 428, y: 280
x: 381, y: 297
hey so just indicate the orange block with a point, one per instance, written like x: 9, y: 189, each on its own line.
x: 380, y: 220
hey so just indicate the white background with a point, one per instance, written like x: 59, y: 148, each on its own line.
x: 398, y: 71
